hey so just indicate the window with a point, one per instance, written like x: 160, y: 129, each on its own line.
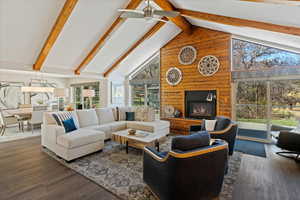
x: 82, y: 102
x: 248, y: 56
x: 145, y: 85
x: 267, y: 87
x: 117, y: 94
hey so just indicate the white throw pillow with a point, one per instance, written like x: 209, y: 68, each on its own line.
x: 75, y: 119
x: 210, y: 125
x: 87, y: 117
x: 145, y: 114
x: 105, y: 115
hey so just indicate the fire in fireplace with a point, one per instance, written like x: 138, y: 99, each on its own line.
x: 200, y: 104
x: 201, y: 110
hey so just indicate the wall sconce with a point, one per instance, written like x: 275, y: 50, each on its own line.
x: 210, y: 97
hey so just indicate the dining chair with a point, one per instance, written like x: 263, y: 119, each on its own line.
x: 2, y: 123
x: 25, y: 105
x: 36, y: 116
x: 5, y: 121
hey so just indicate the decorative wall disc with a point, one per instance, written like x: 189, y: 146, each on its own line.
x: 187, y: 55
x: 208, y: 65
x: 173, y: 76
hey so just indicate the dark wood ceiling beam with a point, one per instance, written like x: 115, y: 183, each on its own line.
x: 55, y: 31
x: 180, y: 21
x: 133, y: 4
x: 240, y: 22
x: 150, y: 33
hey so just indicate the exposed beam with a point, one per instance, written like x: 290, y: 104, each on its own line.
x: 180, y: 21
x: 151, y: 32
x: 241, y: 22
x: 133, y: 4
x: 56, y: 30
x: 283, y: 2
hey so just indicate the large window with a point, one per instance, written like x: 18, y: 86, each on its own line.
x: 267, y: 86
x: 117, y: 94
x: 248, y: 56
x: 145, y: 85
x: 82, y: 102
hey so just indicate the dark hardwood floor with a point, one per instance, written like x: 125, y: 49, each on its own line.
x: 27, y: 173
x: 274, y: 177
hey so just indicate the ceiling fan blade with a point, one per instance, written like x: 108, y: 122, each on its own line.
x: 166, y: 13
x: 160, y: 20
x: 131, y: 11
x: 131, y: 15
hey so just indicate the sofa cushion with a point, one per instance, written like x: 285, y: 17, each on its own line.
x: 190, y: 142
x: 79, y: 138
x: 87, y: 117
x: 122, y: 111
x: 148, y: 126
x: 117, y: 126
x: 222, y: 123
x: 105, y: 128
x: 105, y: 115
x: 144, y: 113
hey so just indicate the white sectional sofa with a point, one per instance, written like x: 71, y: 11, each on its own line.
x: 94, y: 126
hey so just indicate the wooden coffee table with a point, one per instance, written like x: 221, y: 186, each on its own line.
x: 139, y: 140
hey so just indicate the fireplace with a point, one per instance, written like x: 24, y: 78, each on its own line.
x: 200, y: 104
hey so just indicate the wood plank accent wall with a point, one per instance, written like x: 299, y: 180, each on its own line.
x: 207, y: 42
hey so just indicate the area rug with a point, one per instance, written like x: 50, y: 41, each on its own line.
x: 253, y: 133
x: 250, y: 147
x: 121, y: 173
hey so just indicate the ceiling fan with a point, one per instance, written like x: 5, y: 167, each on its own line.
x: 149, y: 13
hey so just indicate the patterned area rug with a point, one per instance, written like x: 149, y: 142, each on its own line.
x: 121, y: 173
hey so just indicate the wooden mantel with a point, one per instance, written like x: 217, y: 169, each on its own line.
x: 181, y: 125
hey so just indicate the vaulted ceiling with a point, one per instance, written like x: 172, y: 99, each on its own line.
x: 25, y: 26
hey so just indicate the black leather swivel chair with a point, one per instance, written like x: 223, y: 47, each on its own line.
x: 193, y: 170
x: 225, y: 129
x: 290, y: 142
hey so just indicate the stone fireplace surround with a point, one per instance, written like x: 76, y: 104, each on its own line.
x: 201, y: 104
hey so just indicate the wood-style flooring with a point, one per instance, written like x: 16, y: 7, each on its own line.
x: 27, y: 173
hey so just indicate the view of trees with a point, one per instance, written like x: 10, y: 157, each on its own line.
x: 252, y: 97
x: 251, y: 56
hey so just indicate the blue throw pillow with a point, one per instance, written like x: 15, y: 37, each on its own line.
x: 69, y: 125
x: 130, y: 116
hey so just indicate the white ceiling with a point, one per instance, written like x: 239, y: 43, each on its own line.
x: 25, y: 25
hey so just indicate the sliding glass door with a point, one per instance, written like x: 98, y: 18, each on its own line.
x: 252, y: 108
x: 263, y: 104
x: 285, y: 98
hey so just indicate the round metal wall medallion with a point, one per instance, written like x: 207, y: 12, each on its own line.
x: 173, y: 76
x: 187, y: 55
x: 208, y: 65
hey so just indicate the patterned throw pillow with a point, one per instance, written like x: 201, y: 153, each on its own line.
x: 61, y: 116
x: 145, y: 114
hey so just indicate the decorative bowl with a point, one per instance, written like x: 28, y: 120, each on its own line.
x: 131, y: 132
